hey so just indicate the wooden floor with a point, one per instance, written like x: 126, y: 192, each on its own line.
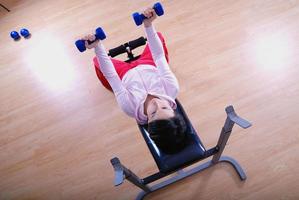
x: 59, y: 127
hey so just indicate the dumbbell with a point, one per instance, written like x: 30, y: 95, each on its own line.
x: 138, y: 18
x: 15, y: 35
x: 100, y: 35
x: 25, y: 33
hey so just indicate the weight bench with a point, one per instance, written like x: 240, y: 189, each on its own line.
x: 192, y: 153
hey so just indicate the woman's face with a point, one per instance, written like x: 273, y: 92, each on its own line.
x: 159, y: 109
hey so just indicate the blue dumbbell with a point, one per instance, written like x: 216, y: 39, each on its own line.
x: 15, y: 35
x: 25, y: 33
x: 100, y: 35
x: 138, y: 18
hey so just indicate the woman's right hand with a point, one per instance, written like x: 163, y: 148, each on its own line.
x: 150, y: 15
x: 90, y: 37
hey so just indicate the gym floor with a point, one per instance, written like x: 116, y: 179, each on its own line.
x: 59, y: 127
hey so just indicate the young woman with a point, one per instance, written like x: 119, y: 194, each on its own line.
x: 146, y: 88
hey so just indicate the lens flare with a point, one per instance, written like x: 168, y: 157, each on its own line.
x: 272, y: 51
x: 47, y: 58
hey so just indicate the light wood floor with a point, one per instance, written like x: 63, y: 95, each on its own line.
x: 59, y: 127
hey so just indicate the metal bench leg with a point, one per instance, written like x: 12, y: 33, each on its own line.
x: 121, y: 173
x: 235, y: 164
x: 231, y: 119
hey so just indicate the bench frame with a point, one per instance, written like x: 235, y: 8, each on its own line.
x: 122, y: 172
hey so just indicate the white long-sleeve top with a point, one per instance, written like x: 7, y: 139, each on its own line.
x: 138, y: 82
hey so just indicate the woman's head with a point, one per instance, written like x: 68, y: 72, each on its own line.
x: 166, y: 128
x: 159, y: 109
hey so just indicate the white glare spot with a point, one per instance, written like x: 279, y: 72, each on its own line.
x: 48, y: 60
x: 272, y: 51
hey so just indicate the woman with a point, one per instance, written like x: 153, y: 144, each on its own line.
x: 145, y: 89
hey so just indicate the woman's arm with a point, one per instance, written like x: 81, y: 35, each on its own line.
x: 154, y: 42
x: 158, y: 54
x: 108, y: 70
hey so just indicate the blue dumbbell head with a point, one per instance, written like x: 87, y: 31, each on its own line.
x: 138, y: 18
x: 14, y: 35
x: 158, y: 9
x: 80, y: 44
x: 100, y: 35
x: 24, y: 32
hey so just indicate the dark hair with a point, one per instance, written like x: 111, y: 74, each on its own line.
x: 169, y: 134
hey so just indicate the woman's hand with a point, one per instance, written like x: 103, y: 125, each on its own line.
x: 90, y: 37
x: 151, y: 15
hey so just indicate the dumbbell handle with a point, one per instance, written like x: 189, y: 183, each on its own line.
x: 142, y: 16
x: 90, y: 42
